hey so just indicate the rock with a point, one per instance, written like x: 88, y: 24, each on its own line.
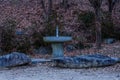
x: 35, y: 61
x: 42, y: 50
x: 70, y: 48
x: 14, y: 59
x: 109, y: 40
x: 85, y: 61
x: 19, y: 32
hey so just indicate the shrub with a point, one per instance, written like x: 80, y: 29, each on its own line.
x: 22, y: 43
x: 107, y: 29
x: 36, y: 35
x: 8, y: 35
x: 88, y: 18
x: 11, y: 40
x: 107, y: 26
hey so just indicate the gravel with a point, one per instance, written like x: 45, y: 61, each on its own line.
x: 45, y: 72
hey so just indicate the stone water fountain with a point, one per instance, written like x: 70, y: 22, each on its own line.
x: 78, y: 61
x: 57, y: 43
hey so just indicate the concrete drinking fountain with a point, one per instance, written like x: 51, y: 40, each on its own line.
x: 57, y: 43
x: 78, y: 61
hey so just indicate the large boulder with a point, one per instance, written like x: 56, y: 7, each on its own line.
x: 14, y: 59
x: 109, y: 40
x: 85, y: 61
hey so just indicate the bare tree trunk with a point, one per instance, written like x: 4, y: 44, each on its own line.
x: 111, y: 6
x: 98, y: 35
x: 50, y: 7
x: 65, y: 3
x: 98, y: 29
x: 47, y: 12
x: 96, y: 4
x: 47, y: 15
x: 44, y: 10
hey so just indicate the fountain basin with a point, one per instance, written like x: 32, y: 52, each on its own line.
x: 55, y: 39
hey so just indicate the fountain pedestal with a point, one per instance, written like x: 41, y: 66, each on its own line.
x: 57, y: 44
x: 57, y: 49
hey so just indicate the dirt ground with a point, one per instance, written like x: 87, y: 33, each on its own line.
x: 44, y: 72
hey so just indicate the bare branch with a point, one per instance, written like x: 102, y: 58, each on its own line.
x: 43, y: 6
x: 111, y: 4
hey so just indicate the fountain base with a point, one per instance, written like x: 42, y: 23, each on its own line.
x: 58, y: 50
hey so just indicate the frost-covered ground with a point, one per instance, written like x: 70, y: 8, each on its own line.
x: 45, y: 72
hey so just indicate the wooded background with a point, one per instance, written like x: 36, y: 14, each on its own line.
x: 23, y: 23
